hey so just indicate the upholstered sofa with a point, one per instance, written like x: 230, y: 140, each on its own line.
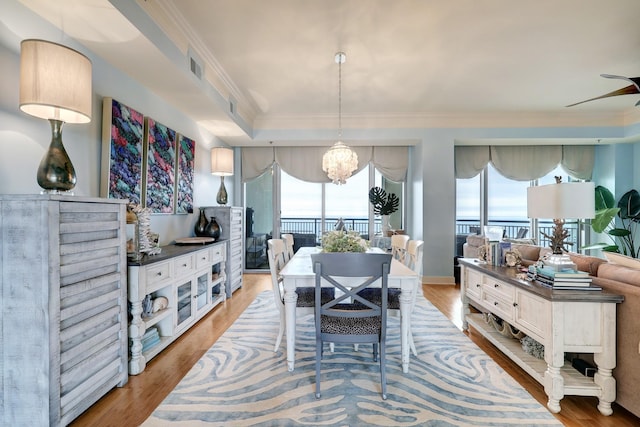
x: 615, y: 278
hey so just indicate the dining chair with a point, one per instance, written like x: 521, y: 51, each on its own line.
x: 306, y: 295
x: 288, y: 244
x: 399, y: 246
x: 348, y: 317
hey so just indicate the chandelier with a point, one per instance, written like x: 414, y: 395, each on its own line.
x: 339, y: 161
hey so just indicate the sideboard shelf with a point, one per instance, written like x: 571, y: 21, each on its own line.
x: 193, y: 281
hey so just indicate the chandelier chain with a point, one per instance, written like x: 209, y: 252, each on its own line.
x: 340, y: 61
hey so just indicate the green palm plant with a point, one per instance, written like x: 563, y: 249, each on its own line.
x: 628, y: 211
x: 383, y: 203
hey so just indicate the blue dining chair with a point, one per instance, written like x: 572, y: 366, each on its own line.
x: 349, y: 317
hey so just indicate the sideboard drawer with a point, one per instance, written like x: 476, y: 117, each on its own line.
x: 183, y: 265
x: 157, y: 274
x: 203, y: 258
x: 498, y: 288
x: 501, y: 307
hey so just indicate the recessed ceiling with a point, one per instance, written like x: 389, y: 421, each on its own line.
x: 428, y: 63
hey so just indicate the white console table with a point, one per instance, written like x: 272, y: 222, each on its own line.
x: 191, y: 278
x: 563, y: 321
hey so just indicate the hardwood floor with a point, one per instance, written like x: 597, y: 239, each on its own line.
x: 132, y: 404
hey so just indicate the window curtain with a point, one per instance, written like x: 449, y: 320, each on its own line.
x: 524, y: 163
x: 255, y: 161
x: 305, y: 163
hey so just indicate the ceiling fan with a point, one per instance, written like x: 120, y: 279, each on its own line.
x: 633, y: 88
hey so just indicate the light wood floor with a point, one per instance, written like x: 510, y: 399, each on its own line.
x: 132, y: 404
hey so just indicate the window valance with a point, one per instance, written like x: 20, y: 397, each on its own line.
x: 524, y: 163
x: 305, y: 163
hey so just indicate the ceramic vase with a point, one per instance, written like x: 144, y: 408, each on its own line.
x: 213, y: 229
x: 386, y: 228
x: 201, y: 224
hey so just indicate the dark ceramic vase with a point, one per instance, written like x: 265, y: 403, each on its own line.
x: 200, y: 229
x: 213, y: 229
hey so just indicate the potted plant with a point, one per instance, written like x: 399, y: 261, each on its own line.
x: 384, y: 205
x: 628, y: 210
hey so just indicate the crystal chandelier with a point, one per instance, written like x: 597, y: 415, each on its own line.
x: 339, y: 161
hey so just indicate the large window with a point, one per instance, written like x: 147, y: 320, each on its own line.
x: 308, y: 209
x: 503, y: 202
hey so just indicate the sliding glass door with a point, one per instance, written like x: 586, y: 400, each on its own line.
x: 279, y: 203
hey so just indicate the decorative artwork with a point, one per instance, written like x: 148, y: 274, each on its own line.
x: 122, y: 152
x: 184, y: 175
x: 160, y: 169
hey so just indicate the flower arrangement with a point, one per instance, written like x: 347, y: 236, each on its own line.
x: 343, y: 241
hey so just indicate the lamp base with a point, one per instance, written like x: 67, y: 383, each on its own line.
x: 559, y: 262
x: 221, y: 198
x: 56, y: 173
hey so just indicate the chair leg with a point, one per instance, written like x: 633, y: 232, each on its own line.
x: 383, y: 373
x: 318, y: 357
x: 375, y: 352
x: 280, y: 332
x: 332, y: 347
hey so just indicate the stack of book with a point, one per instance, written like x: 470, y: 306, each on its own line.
x: 566, y: 279
x: 150, y: 339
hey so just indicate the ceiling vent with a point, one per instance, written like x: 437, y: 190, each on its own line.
x: 232, y: 106
x: 195, y: 64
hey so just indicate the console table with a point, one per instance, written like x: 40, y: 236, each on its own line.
x: 191, y: 278
x: 561, y: 320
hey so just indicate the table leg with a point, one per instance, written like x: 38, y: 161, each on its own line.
x: 290, y: 299
x: 406, y: 299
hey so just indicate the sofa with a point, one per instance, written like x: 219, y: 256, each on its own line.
x: 614, y: 278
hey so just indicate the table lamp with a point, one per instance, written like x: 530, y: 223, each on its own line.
x: 55, y: 84
x: 560, y: 201
x: 222, y: 165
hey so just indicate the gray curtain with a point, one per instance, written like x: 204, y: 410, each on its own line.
x: 524, y: 163
x: 305, y: 163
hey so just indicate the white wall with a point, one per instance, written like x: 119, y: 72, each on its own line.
x: 24, y: 139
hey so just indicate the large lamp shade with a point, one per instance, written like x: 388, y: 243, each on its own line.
x: 570, y: 200
x: 55, y: 82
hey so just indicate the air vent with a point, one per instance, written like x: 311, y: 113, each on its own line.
x: 196, y: 69
x: 195, y: 64
x: 232, y: 106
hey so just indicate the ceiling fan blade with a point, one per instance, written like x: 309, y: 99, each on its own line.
x: 629, y: 90
x: 634, y: 80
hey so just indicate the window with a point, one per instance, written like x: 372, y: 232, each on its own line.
x: 505, y: 205
x: 308, y: 209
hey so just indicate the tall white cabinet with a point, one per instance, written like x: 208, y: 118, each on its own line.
x: 63, y: 317
x: 231, y: 220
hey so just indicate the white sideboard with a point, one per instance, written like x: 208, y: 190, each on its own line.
x: 563, y: 321
x: 63, y: 310
x: 231, y: 221
x: 191, y: 278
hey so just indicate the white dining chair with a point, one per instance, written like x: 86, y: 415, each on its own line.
x: 306, y: 296
x: 288, y: 245
x: 399, y: 246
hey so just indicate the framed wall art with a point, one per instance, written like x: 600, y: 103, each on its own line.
x: 160, y: 167
x: 122, y: 152
x: 184, y: 175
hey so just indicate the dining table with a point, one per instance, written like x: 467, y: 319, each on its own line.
x: 298, y: 272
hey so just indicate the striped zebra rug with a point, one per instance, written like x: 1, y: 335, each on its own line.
x: 240, y: 381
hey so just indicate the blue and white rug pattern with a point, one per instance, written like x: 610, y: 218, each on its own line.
x: 240, y: 381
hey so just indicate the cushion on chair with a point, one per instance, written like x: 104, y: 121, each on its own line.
x: 373, y: 295
x: 307, y: 295
x: 350, y: 325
